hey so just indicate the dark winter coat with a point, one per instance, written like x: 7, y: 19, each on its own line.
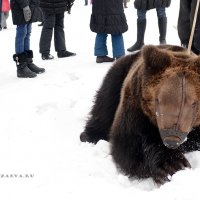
x: 56, y: 6
x: 151, y: 4
x: 185, y: 21
x: 108, y: 17
x: 17, y: 11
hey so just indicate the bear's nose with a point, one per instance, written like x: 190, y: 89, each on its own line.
x: 172, y: 142
x: 172, y: 138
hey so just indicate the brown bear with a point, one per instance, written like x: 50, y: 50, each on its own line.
x: 148, y: 108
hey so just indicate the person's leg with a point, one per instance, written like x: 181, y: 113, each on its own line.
x: 27, y: 37
x: 3, y: 20
x: 20, y: 56
x: 46, y: 36
x: 21, y: 32
x: 6, y: 15
x: 100, y: 48
x: 196, y: 40
x: 141, y: 27
x: 59, y: 37
x: 29, y: 53
x: 118, y: 46
x: 0, y: 14
x: 162, y: 24
x: 184, y: 22
x: 125, y: 4
x: 31, y: 65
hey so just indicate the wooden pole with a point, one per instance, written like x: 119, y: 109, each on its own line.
x: 193, y: 28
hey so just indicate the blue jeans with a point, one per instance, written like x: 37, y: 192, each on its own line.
x: 100, y: 48
x: 142, y: 13
x: 22, y: 39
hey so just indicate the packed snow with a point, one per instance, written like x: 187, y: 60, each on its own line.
x: 41, y: 120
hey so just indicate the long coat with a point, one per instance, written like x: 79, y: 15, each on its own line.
x: 185, y: 21
x: 151, y: 4
x: 55, y: 6
x: 5, y: 6
x: 17, y: 11
x: 108, y: 17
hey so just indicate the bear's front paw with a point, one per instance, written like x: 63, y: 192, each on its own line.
x: 84, y: 137
x: 169, y: 167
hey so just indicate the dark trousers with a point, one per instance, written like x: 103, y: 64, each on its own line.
x: 185, y: 20
x: 52, y: 22
x: 141, y: 14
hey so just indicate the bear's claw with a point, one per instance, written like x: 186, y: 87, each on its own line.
x: 170, y: 167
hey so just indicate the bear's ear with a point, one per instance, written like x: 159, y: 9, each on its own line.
x: 196, y: 64
x: 155, y: 59
x: 197, y: 61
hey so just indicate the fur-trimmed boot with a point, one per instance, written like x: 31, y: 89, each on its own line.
x: 162, y: 25
x: 31, y: 65
x: 22, y: 69
x: 141, y: 27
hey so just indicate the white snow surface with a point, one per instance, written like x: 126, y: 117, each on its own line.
x: 42, y: 118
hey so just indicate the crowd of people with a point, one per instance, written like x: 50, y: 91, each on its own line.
x: 107, y: 18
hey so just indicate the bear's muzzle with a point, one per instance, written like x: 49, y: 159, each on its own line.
x: 172, y: 138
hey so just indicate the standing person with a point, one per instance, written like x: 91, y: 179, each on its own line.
x: 185, y: 21
x: 4, y: 13
x: 24, y: 13
x: 108, y: 18
x: 86, y: 2
x: 142, y: 7
x: 0, y: 13
x: 54, y: 21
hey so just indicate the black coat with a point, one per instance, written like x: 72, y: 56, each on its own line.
x: 185, y: 22
x: 150, y: 4
x: 17, y: 11
x: 108, y: 17
x: 55, y: 6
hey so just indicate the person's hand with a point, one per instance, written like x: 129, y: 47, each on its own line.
x: 27, y: 13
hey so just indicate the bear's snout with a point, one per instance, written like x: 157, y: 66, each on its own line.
x: 172, y: 138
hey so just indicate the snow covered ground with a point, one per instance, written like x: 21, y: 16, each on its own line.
x: 41, y: 156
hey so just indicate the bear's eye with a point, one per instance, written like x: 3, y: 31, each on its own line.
x: 194, y: 105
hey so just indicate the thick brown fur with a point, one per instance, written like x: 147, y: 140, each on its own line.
x: 124, y: 111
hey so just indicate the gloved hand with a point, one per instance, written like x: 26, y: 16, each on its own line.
x: 27, y: 13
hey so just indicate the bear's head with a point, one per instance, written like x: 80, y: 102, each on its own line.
x: 171, y: 91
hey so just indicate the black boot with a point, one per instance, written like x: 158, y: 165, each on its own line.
x: 162, y: 25
x: 141, y: 27
x: 31, y: 65
x: 102, y: 59
x: 22, y: 69
x: 63, y: 54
